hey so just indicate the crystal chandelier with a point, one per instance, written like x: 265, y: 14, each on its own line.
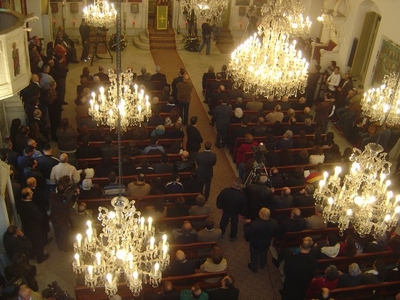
x: 125, y: 247
x: 130, y: 103
x: 272, y: 67
x: 126, y: 244
x: 268, y: 63
x: 100, y: 14
x: 207, y: 9
x: 286, y: 17
x: 362, y: 197
x: 383, y: 104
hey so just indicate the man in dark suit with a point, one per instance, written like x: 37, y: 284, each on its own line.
x: 32, y: 223
x: 175, y: 81
x: 222, y: 120
x: 87, y: 151
x: 209, y: 75
x: 205, y: 163
x: 159, y: 79
x: 194, y: 184
x: 343, y: 89
x: 305, y: 197
x: 180, y: 266
x: 194, y: 139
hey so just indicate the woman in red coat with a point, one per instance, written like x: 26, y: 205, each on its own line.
x: 241, y: 154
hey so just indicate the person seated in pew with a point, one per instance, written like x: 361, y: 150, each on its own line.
x: 179, y: 210
x: 165, y: 96
x: 284, y: 200
x: 200, y: 208
x: 285, y: 157
x: 316, y: 221
x: 289, y: 114
x: 237, y: 116
x: 108, y: 149
x: 292, y: 224
x: 184, y: 165
x: 296, y: 178
x: 256, y: 104
x: 286, y: 141
x: 158, y: 187
x: 306, y: 114
x: 304, y: 197
x: 377, y: 245
x: 87, y: 151
x: 166, y: 108
x: 138, y: 188
x: 308, y: 126
x: 349, y: 247
x: 184, y: 235
x: 329, y: 281
x: 333, y: 155
x: 174, y: 186
x: 274, y: 116
x: 238, y: 104
x: 164, y: 166
x: 270, y: 142
x: 285, y: 104
x: 79, y: 217
x: 89, y: 191
x: 176, y: 132
x: 128, y: 167
x: 145, y: 168
x: 194, y: 293
x: 156, y: 119
x: 153, y: 148
x: 394, y: 274
x: 317, y: 155
x: 174, y: 117
x: 324, y: 294
x: 168, y: 292
x: 194, y: 184
x: 260, y: 129
x: 352, y: 278
x: 316, y: 175
x: 215, y: 263
x: 209, y: 233
x: 301, y: 141
x: 239, y: 131
x: 157, y: 210
x: 105, y: 167
x: 113, y: 188
x: 375, y: 275
x: 227, y: 291
x: 299, y: 104
x: 180, y: 266
x: 276, y: 178
x: 328, y: 248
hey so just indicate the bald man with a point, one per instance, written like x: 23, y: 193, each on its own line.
x: 64, y: 169
x: 259, y: 233
x: 180, y: 266
x: 25, y: 293
x: 186, y: 234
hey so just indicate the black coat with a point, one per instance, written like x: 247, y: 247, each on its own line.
x: 232, y: 201
x: 258, y: 195
x: 260, y: 232
x: 194, y: 138
x: 205, y: 164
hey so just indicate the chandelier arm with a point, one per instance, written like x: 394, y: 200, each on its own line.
x: 118, y: 62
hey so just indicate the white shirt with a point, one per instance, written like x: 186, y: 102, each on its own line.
x: 64, y: 169
x: 333, y: 81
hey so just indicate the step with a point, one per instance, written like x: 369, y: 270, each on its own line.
x: 162, y: 46
x: 140, y: 44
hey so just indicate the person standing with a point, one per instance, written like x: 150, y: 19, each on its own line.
x: 206, y: 32
x: 194, y: 139
x: 205, y: 164
x: 259, y: 233
x: 299, y: 270
x: 84, y: 31
x: 233, y: 202
x: 32, y: 223
x: 222, y: 120
x: 184, y: 96
x: 175, y: 82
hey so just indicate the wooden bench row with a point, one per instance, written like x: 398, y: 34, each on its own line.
x: 180, y: 283
x: 166, y: 143
x: 371, y: 291
x: 102, y: 181
x: 136, y: 160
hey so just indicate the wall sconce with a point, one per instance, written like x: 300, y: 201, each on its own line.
x: 73, y: 23
x: 241, y: 25
x: 54, y: 24
x: 133, y: 23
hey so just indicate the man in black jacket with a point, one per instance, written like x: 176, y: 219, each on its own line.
x: 259, y: 233
x: 259, y: 195
x: 206, y: 32
x: 227, y: 291
x: 233, y: 202
x: 299, y: 270
x: 15, y: 241
x: 194, y: 139
x: 205, y: 163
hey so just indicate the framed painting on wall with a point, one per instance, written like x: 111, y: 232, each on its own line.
x: 387, y: 61
x: 54, y: 7
x: 74, y: 8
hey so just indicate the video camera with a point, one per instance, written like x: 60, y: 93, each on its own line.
x: 259, y: 152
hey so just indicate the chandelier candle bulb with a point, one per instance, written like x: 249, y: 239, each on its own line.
x: 156, y: 268
x: 165, y: 251
x: 90, y: 272
x: 78, y: 263
x: 149, y: 221
x: 89, y: 235
x: 152, y: 243
x: 109, y: 278
x: 89, y: 225
x: 135, y: 276
x: 79, y: 240
x: 164, y: 238
x: 98, y: 258
x: 142, y: 223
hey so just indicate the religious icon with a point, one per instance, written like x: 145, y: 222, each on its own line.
x: 15, y: 57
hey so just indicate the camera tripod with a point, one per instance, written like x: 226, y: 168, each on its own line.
x: 100, y: 39
x: 257, y: 170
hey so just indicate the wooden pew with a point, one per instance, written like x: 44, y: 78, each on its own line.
x: 102, y: 181
x: 145, y: 201
x: 370, y: 291
x: 294, y: 239
x: 85, y: 293
x: 364, y: 259
x: 166, y: 143
x: 193, y: 250
x: 280, y: 213
x: 269, y: 125
x: 152, y: 158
